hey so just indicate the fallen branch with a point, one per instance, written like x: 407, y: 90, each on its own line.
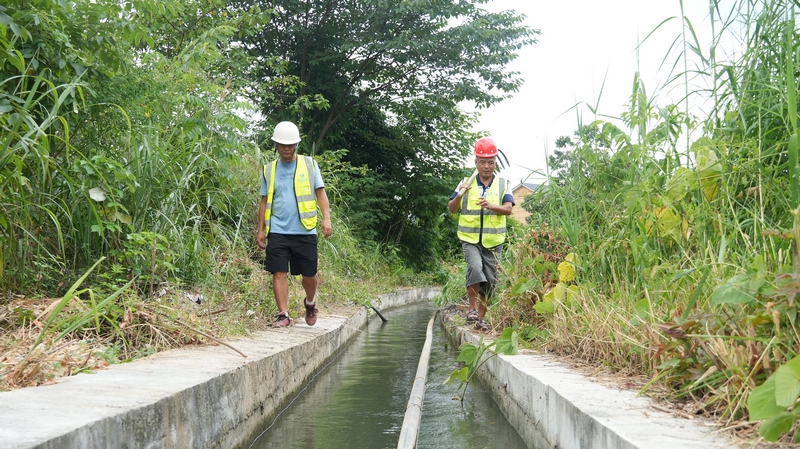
x: 669, y: 410
x: 209, y: 336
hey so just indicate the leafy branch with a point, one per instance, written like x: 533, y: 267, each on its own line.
x: 472, y: 355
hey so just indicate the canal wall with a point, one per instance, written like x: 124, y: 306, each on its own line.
x: 193, y: 397
x: 553, y: 406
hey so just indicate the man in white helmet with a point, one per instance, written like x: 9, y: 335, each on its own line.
x: 291, y: 189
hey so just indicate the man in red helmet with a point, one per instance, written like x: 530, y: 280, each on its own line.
x: 482, y: 201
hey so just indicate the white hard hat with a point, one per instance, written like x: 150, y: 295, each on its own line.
x: 286, y: 133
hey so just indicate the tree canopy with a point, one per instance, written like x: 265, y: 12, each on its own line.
x: 385, y: 54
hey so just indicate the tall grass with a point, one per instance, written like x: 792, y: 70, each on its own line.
x: 682, y: 225
x: 126, y: 190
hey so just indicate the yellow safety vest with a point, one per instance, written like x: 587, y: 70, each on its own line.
x: 306, y: 199
x: 479, y: 225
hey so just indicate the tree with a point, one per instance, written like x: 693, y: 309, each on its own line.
x: 385, y: 54
x: 375, y: 78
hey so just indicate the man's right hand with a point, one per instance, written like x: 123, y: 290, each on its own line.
x: 261, y: 239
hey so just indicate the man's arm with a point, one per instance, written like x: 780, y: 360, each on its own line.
x: 325, y: 207
x: 455, y: 203
x: 505, y: 209
x: 262, y: 236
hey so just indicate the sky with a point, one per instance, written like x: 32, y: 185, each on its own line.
x: 584, y: 46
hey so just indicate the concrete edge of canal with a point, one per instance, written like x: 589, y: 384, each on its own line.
x: 552, y: 405
x: 194, y: 397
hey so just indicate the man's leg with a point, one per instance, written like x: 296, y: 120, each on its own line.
x: 472, y: 296
x: 310, y: 284
x: 280, y: 287
x: 482, y: 306
x: 490, y: 259
x: 474, y: 274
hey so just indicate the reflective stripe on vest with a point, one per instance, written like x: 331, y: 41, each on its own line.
x: 476, y: 224
x: 303, y: 192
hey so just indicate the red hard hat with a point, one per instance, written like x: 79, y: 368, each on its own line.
x: 485, y: 147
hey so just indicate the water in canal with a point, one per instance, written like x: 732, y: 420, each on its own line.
x: 359, y: 400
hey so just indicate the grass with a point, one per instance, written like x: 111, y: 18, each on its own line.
x: 684, y: 227
x: 87, y: 329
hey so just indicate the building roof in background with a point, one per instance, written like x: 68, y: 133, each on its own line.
x: 529, y: 185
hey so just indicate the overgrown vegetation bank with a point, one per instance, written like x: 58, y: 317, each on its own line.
x: 132, y: 135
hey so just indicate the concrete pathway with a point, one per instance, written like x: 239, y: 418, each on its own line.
x: 212, y: 397
x: 552, y: 405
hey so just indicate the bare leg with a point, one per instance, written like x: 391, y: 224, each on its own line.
x: 482, y: 306
x: 472, y: 295
x: 310, y: 286
x: 280, y: 287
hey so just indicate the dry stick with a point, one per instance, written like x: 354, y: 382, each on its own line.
x: 201, y: 332
x: 210, y: 337
x: 668, y: 410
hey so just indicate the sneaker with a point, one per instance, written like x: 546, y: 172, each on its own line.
x: 282, y: 320
x: 311, y: 313
x: 472, y: 315
x: 482, y: 325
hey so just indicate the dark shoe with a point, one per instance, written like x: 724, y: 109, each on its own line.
x: 482, y: 326
x: 311, y: 313
x: 282, y: 320
x: 472, y: 315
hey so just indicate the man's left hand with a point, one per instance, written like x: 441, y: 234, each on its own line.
x: 327, y: 229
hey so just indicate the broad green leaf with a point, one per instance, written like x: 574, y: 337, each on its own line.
x: 761, y: 403
x: 124, y: 218
x: 558, y: 293
x: 544, y: 307
x: 467, y: 353
x: 773, y: 428
x: 520, y: 287
x: 506, y: 343
x: 632, y: 198
x: 566, y: 271
x: 457, y: 375
x: 787, y: 383
x: 709, y: 167
x: 678, y: 185
x: 730, y: 294
x: 669, y: 221
x: 642, y: 308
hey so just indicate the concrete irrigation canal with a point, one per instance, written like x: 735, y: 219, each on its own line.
x: 344, y: 383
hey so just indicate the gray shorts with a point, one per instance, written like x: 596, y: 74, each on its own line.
x: 482, y: 264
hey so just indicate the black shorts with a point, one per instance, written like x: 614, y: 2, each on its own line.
x: 299, y: 251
